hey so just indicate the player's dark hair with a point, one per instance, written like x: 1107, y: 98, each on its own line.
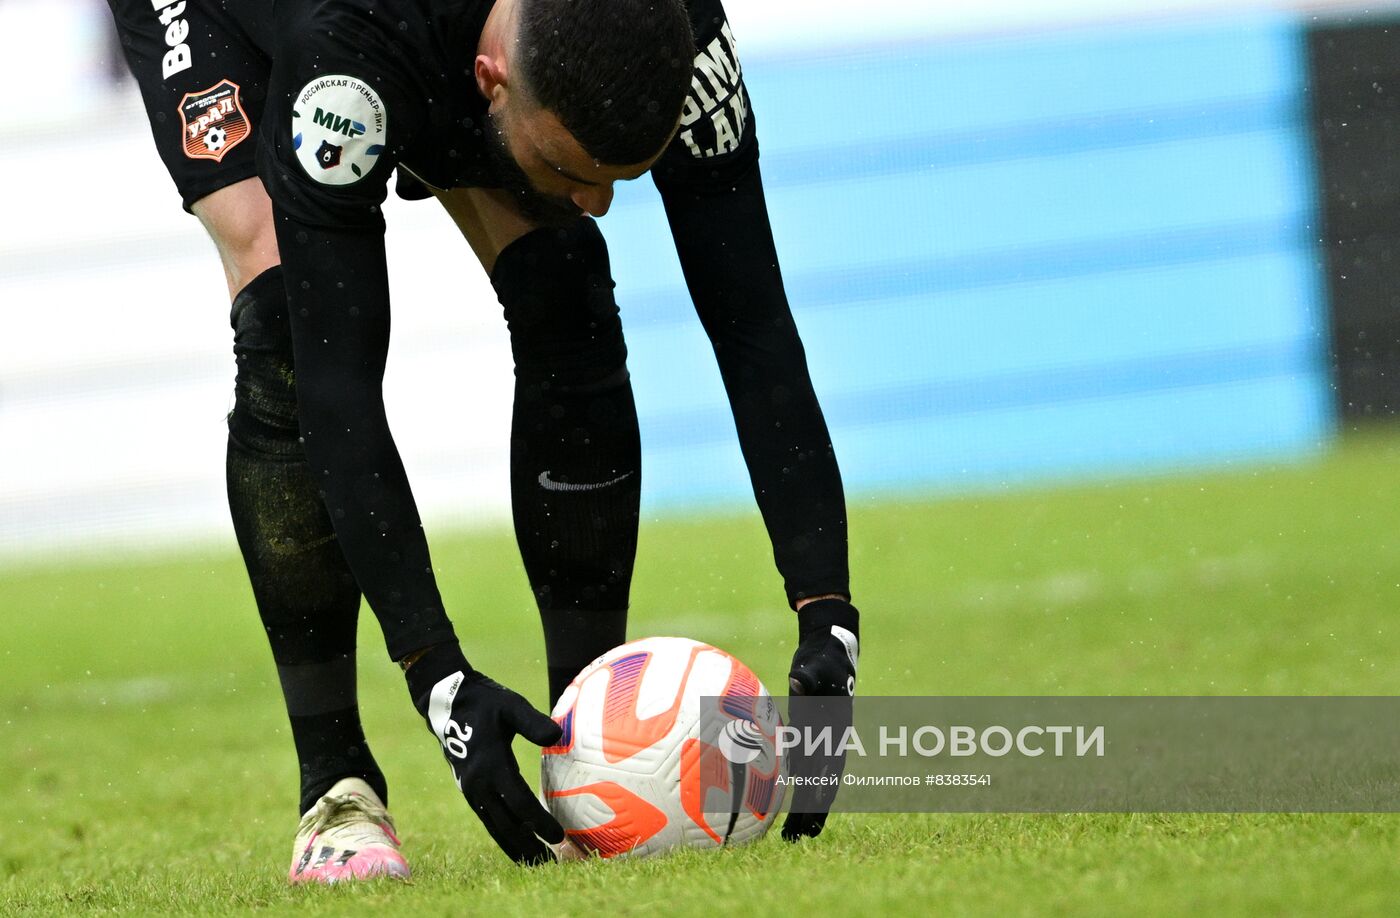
x: 614, y: 72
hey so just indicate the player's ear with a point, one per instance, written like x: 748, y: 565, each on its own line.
x: 491, y: 78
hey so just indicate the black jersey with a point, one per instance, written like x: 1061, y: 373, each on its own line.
x: 335, y: 95
x: 359, y: 87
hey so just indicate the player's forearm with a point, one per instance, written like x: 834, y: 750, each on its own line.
x: 790, y: 460
x: 338, y: 295
x: 737, y: 287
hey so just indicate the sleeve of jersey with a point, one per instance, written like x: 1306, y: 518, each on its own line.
x: 712, y: 189
x: 325, y: 160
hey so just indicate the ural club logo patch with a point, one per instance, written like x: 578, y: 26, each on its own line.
x: 213, y: 121
x: 339, y: 126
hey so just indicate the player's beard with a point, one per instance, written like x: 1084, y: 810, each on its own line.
x: 533, y: 205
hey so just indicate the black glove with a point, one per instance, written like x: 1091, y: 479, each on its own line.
x: 475, y: 720
x: 824, y: 665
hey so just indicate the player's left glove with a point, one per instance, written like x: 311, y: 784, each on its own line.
x: 475, y: 719
x: 824, y: 665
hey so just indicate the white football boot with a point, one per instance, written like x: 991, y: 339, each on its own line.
x: 347, y: 835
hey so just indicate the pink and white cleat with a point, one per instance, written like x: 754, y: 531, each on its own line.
x: 347, y: 835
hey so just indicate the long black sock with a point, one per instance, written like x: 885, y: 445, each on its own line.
x: 575, y: 463
x: 574, y: 638
x: 305, y: 593
x: 325, y: 718
x: 575, y: 447
x: 576, y: 496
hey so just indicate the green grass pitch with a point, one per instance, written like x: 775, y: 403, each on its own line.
x: 146, y: 765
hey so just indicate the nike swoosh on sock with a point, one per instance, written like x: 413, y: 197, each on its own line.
x: 549, y: 484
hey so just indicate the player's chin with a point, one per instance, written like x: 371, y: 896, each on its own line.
x: 547, y: 211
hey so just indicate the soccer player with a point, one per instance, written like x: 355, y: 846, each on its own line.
x: 281, y: 125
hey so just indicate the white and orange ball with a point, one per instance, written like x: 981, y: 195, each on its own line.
x: 646, y: 766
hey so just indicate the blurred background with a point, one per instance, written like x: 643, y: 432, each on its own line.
x: 1096, y: 299
x: 1031, y: 241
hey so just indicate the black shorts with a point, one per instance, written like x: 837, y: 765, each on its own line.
x: 203, y: 80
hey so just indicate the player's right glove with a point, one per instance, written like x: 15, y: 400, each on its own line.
x: 475, y: 719
x: 823, y: 666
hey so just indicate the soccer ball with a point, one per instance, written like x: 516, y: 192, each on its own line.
x: 668, y: 743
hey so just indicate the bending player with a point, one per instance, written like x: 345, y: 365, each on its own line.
x: 519, y: 115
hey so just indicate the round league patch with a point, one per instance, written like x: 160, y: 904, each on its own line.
x: 338, y: 129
